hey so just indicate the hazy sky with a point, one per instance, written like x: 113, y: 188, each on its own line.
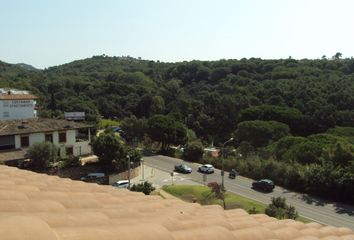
x: 44, y: 33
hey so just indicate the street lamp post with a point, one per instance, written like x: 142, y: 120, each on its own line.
x: 142, y: 168
x: 128, y: 158
x: 222, y: 161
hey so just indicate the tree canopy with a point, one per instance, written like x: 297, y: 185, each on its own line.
x: 167, y: 131
x: 108, y: 147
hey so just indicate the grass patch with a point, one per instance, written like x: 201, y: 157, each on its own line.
x: 303, y: 219
x: 204, y: 196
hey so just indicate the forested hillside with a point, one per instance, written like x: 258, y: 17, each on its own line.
x: 211, y: 97
x: 298, y: 113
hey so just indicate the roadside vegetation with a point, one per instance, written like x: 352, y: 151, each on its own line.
x: 144, y: 187
x: 105, y: 123
x: 204, y: 195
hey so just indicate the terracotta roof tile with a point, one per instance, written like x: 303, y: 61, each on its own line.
x: 41, y: 207
x: 17, y: 97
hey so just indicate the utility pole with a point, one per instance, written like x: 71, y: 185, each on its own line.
x: 142, y: 168
x: 128, y: 158
x: 172, y: 173
x: 222, y: 161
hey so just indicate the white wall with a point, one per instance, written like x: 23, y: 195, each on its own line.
x: 17, y: 109
x: 70, y: 137
x: 56, y: 138
x: 36, y: 137
x: 17, y: 141
x: 79, y: 148
x: 33, y: 138
x: 82, y: 148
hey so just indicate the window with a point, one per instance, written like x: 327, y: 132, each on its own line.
x: 69, y: 151
x: 62, y: 137
x: 49, y: 137
x: 6, y: 114
x: 24, y: 141
x: 7, y: 142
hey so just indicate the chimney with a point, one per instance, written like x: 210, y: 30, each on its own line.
x: 24, y: 124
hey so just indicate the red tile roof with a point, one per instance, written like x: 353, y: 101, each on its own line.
x: 40, y: 207
x: 17, y: 97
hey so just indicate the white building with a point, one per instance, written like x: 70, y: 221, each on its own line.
x: 17, y: 104
x: 71, y: 138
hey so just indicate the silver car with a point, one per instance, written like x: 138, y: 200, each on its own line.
x: 206, y: 168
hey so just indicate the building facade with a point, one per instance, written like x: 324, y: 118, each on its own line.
x: 17, y: 104
x: 71, y: 138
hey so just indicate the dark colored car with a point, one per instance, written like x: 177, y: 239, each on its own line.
x: 265, y: 185
x: 183, y: 168
x: 233, y: 174
x: 100, y: 178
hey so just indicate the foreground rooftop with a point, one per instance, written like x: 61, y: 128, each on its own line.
x: 36, y: 206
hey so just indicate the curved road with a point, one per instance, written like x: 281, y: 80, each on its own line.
x: 329, y: 213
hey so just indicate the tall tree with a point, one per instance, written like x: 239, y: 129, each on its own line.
x: 108, y: 147
x: 167, y: 131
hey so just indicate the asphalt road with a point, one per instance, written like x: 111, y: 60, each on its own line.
x: 325, y: 212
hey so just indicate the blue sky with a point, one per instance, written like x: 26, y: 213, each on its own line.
x: 45, y: 33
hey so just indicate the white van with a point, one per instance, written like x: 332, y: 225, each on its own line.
x: 121, y: 184
x: 92, y: 176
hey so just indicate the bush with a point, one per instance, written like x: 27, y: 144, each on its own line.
x: 71, y: 161
x: 41, y: 154
x: 135, y: 155
x: 253, y: 210
x: 193, y: 151
x: 144, y: 187
x: 279, y: 209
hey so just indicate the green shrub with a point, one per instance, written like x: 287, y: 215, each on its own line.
x: 104, y: 123
x: 41, y: 154
x: 70, y: 161
x: 279, y: 209
x: 253, y: 210
x: 193, y: 151
x: 144, y: 187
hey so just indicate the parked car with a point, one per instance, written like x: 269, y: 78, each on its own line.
x: 206, y: 168
x: 232, y: 174
x: 121, y: 184
x: 263, y: 185
x: 93, y: 177
x: 182, y: 168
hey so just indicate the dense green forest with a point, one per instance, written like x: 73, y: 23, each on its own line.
x: 285, y: 112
